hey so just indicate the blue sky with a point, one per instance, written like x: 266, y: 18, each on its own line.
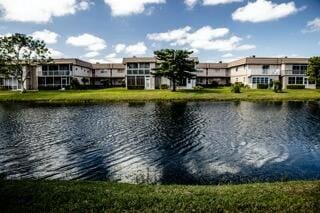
x: 107, y: 30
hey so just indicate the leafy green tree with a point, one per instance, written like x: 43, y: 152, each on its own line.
x: 176, y: 65
x: 314, y: 69
x: 19, y: 54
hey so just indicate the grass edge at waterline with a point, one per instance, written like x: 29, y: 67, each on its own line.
x: 65, y: 196
x: 123, y: 95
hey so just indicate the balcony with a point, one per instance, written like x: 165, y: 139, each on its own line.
x: 295, y: 72
x: 56, y: 73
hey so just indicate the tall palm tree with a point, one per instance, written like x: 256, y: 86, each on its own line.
x: 176, y: 65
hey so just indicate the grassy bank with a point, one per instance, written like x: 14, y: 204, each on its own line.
x: 110, y: 95
x: 53, y: 196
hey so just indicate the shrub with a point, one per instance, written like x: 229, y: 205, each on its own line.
x: 236, y: 88
x: 298, y: 86
x: 271, y: 84
x: 277, y: 86
x: 74, y: 83
x: 214, y: 84
x: 164, y: 86
x: 262, y: 86
x: 198, y: 87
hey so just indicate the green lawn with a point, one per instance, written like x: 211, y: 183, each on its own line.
x: 109, y: 95
x: 74, y: 196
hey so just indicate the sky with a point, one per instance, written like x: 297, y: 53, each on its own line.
x: 105, y: 31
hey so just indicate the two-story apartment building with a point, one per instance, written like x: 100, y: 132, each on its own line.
x: 60, y: 72
x: 213, y: 73
x: 111, y: 75
x: 136, y: 73
x: 139, y: 74
x: 252, y: 71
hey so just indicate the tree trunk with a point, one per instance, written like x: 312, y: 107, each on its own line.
x: 23, y: 90
x: 174, y: 85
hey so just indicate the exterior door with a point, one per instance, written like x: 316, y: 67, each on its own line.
x: 147, y: 86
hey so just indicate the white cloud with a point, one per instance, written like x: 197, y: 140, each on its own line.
x: 246, y: 47
x: 40, y: 11
x: 120, y: 47
x: 206, y: 38
x: 91, y: 54
x: 112, y: 58
x: 46, y: 36
x: 313, y: 26
x: 228, y: 55
x: 190, y: 3
x: 125, y: 7
x: 90, y: 42
x: 217, y: 2
x: 111, y: 55
x: 55, y: 53
x: 170, y: 35
x: 263, y: 10
x: 136, y: 49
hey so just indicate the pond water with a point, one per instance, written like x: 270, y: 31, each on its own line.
x: 167, y: 142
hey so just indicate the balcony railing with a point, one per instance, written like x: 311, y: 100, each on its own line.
x: 56, y: 73
x: 295, y: 72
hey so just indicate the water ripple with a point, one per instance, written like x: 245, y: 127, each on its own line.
x: 162, y: 142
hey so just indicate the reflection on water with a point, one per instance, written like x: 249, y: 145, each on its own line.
x: 195, y: 143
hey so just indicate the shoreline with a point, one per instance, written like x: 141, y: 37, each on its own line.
x: 116, y: 95
x: 41, y: 195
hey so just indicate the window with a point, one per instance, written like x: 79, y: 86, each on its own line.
x: 295, y: 80
x: 42, y: 80
x: 145, y: 65
x: 254, y: 80
x: 140, y: 80
x: 135, y: 72
x: 292, y: 80
x: 57, y: 81
x: 120, y: 71
x: 49, y: 80
x: 44, y: 68
x: 299, y: 80
x: 141, y: 72
x: 299, y: 69
x: 132, y: 66
x: 64, y: 67
x: 131, y: 81
x: 265, y: 69
x: 260, y: 80
x: 53, y: 67
x: 129, y: 72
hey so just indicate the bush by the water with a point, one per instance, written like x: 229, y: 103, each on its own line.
x: 277, y: 86
x: 236, y: 88
x: 262, y: 86
x: 299, y: 86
